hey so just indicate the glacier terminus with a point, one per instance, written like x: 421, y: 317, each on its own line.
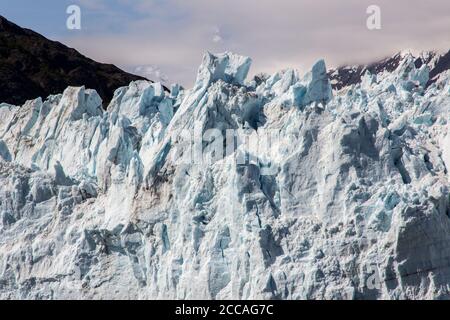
x: 111, y: 204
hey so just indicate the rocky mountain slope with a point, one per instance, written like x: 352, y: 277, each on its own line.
x: 315, y: 194
x: 32, y: 66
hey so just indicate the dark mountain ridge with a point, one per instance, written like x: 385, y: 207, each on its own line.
x: 33, y: 66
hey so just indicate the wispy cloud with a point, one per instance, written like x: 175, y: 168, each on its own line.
x: 151, y: 72
x: 217, y: 37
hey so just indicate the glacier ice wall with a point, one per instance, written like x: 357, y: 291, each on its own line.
x: 112, y: 204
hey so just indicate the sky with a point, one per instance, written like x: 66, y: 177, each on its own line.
x: 166, y: 39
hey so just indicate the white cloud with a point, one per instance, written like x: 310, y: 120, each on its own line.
x: 217, y: 37
x: 151, y: 72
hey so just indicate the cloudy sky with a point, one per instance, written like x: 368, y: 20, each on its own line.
x: 166, y: 38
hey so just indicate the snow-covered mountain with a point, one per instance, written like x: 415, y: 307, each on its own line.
x: 164, y: 195
x: 350, y: 75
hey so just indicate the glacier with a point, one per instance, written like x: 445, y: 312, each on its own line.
x: 99, y: 204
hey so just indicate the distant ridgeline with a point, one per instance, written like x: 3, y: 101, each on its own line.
x: 348, y: 75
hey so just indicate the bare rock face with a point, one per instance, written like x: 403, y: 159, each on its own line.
x: 32, y: 66
x: 347, y: 199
